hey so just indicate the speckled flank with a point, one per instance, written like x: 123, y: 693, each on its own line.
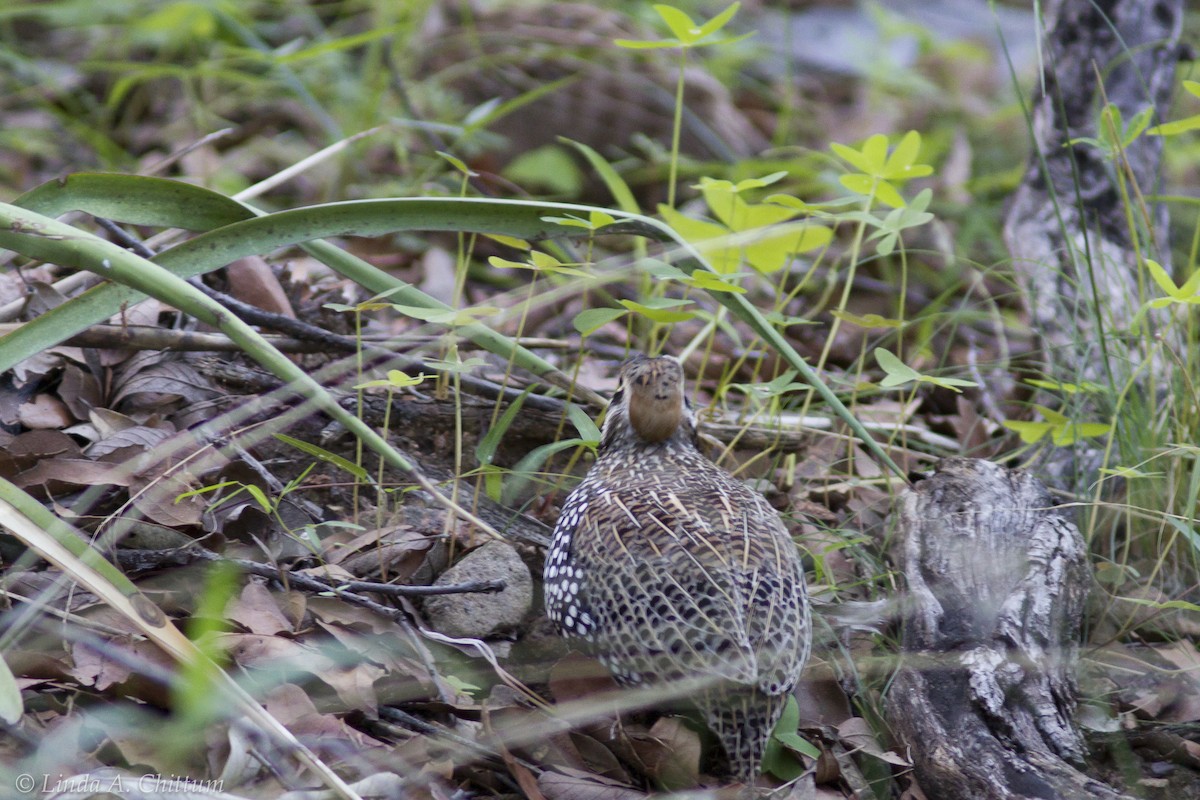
x: 668, y: 567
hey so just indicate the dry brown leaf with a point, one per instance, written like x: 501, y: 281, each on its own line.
x: 37, y: 445
x: 125, y: 444
x: 972, y: 430
x: 525, y: 778
x: 354, y: 684
x: 256, y: 610
x: 576, y: 677
x: 333, y: 613
x: 574, y: 785
x: 670, y: 753
x: 292, y: 706
x: 159, y: 499
x: 63, y: 474
x: 856, y: 732
x: 597, y: 758
x: 44, y: 412
x: 80, y: 391
x: 393, y: 553
x: 161, y: 383
x: 95, y: 668
x: 252, y: 281
x: 820, y: 696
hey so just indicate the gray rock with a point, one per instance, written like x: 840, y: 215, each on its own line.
x: 478, y: 616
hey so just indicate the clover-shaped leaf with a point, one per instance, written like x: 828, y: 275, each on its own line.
x: 1062, y: 430
x: 877, y: 170
x: 687, y: 33
x: 897, y: 373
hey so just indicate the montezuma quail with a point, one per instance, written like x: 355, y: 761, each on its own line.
x: 670, y: 569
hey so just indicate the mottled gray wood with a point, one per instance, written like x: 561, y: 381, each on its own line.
x: 996, y: 586
x: 1067, y: 227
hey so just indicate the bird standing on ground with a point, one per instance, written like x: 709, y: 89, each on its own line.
x: 671, y: 570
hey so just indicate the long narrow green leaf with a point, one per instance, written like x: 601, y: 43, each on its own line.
x: 160, y: 202
x: 49, y: 240
x: 522, y: 219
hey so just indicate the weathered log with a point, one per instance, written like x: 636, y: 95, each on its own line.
x: 997, y: 581
x: 1068, y: 227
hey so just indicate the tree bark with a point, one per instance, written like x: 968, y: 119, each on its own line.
x: 1069, y: 224
x: 997, y: 582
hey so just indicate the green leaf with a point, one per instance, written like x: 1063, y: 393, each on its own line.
x: 457, y: 163
x: 12, y: 707
x: 896, y: 371
x: 719, y: 21
x: 584, y: 424
x: 1136, y: 126
x: 1085, y: 387
x: 1063, y: 431
x: 706, y: 237
x: 798, y: 743
x: 1168, y: 605
x: 395, y: 380
x: 680, y: 23
x: 1189, y: 293
x: 902, y: 164
x: 322, y: 454
x: 596, y: 220
x: 539, y: 262
x: 782, y: 384
x: 854, y: 158
x: 524, y: 470
x: 899, y: 373
x: 859, y: 183
x: 779, y: 759
x: 868, y: 320
x: 638, y: 44
x: 711, y: 282
x: 485, y: 451
x: 547, y: 167
x: 659, y: 310
x: 615, y: 183
x: 887, y: 194
x: 493, y: 481
x: 903, y: 156
x: 1176, y: 127
x: 1161, y: 277
x: 780, y: 244
x: 260, y: 497
x: 590, y: 320
x: 508, y: 241
x: 1030, y: 432
x: 453, y: 317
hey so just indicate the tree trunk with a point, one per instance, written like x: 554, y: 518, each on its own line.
x: 1069, y: 225
x: 997, y: 581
